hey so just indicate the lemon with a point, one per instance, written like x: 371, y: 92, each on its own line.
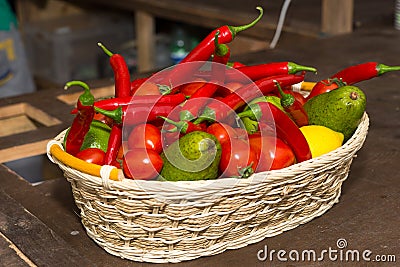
x: 96, y: 137
x: 321, y: 139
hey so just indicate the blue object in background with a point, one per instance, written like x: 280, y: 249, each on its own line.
x: 15, y: 76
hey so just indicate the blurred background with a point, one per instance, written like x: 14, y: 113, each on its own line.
x: 59, y: 38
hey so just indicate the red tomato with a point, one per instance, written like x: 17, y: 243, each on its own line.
x: 223, y: 132
x: 190, y: 88
x: 92, y: 155
x: 238, y: 159
x: 272, y: 152
x: 142, y: 164
x: 145, y: 135
x: 148, y: 88
x: 323, y: 87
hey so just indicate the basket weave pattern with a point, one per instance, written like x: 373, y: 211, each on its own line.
x: 158, y: 221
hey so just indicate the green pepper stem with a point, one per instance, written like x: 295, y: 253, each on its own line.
x: 293, y: 68
x: 207, y: 115
x: 86, y: 98
x: 250, y: 125
x: 247, y: 114
x: 180, y: 125
x: 286, y: 99
x: 382, y: 68
x: 220, y: 49
x: 186, y: 115
x: 236, y: 29
x: 108, y: 52
x: 115, y: 114
x: 254, y: 113
x: 338, y: 81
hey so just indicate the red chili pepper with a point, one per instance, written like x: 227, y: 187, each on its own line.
x: 218, y: 110
x: 135, y: 84
x: 114, y: 144
x: 136, y: 114
x: 235, y: 64
x: 190, y: 109
x: 256, y: 72
x: 122, y: 77
x: 293, y: 107
x: 204, y: 50
x: 184, y: 127
x: 113, y: 103
x: 81, y: 123
x: 350, y: 76
x: 286, y: 128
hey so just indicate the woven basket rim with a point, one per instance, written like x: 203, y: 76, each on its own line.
x: 347, y: 149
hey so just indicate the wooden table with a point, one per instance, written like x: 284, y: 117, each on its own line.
x: 40, y: 224
x: 326, y: 17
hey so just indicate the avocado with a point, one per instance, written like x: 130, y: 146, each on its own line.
x: 195, y: 156
x: 340, y: 110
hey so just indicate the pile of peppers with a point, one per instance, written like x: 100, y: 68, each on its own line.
x: 177, y: 113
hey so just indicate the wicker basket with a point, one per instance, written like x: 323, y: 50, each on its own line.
x: 158, y: 221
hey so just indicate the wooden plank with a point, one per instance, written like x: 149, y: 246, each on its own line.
x: 16, y: 124
x: 52, y: 203
x: 12, y: 110
x: 40, y: 245
x: 23, y: 151
x: 40, y: 116
x: 10, y: 255
x: 337, y: 16
x: 101, y: 92
x: 145, y: 29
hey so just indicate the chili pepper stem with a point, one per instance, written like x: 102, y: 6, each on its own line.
x: 286, y: 99
x: 236, y: 29
x: 108, y: 52
x: 382, y: 68
x: 294, y: 68
x: 86, y: 98
x: 220, y: 49
x: 253, y: 113
x: 180, y: 125
x: 339, y: 82
x: 186, y: 115
x: 207, y: 115
x: 115, y: 114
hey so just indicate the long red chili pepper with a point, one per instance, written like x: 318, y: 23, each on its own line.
x: 122, y: 78
x: 293, y: 107
x: 114, y: 144
x: 256, y: 72
x: 135, y: 84
x: 113, y: 103
x: 204, y: 50
x: 81, y: 123
x: 219, y: 110
x: 351, y: 75
x: 286, y: 128
x: 190, y: 109
x: 136, y: 114
x: 235, y: 64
